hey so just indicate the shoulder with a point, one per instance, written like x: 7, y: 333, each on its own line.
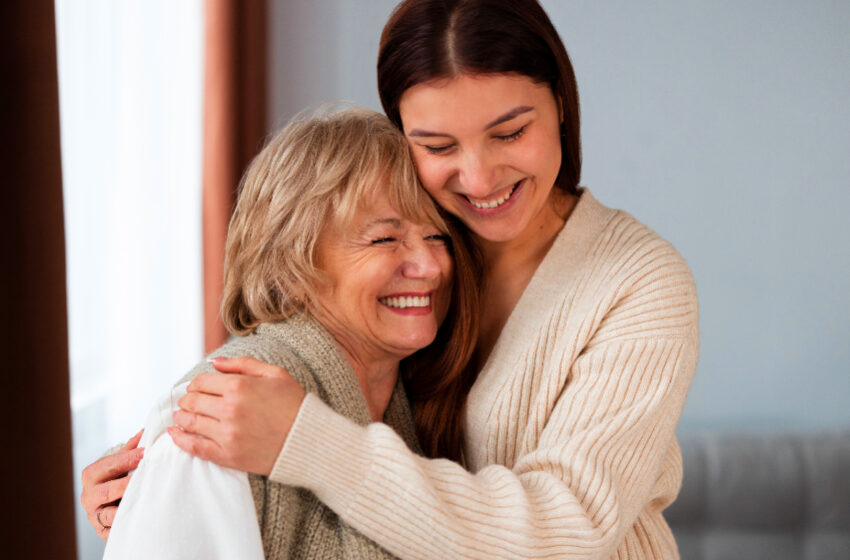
x: 653, y: 293
x: 637, y: 255
x: 638, y: 282
x: 261, y: 345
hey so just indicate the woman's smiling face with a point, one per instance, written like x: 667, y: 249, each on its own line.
x: 487, y: 148
x: 389, y: 283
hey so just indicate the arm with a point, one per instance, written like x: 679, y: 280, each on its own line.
x: 575, y: 495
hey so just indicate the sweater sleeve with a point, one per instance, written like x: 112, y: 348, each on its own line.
x: 575, y: 495
x: 576, y: 488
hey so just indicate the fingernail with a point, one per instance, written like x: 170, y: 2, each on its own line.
x: 215, y: 359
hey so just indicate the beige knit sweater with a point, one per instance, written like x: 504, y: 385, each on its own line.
x: 570, y: 425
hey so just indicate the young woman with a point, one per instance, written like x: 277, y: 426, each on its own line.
x: 588, y: 332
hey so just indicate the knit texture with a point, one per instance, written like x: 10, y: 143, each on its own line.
x: 570, y: 425
x: 293, y: 522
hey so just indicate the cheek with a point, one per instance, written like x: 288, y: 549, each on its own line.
x: 551, y: 155
x: 432, y: 176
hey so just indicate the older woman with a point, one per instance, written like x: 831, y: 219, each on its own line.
x: 338, y: 267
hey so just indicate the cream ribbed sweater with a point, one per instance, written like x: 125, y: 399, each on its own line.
x: 570, y: 425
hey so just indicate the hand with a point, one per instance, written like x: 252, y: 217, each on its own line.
x: 104, y: 483
x: 238, y: 421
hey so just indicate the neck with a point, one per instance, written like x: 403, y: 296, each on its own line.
x: 376, y: 368
x: 377, y: 379
x: 509, y: 267
x: 529, y: 248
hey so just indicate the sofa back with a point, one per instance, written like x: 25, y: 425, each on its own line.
x: 780, y: 497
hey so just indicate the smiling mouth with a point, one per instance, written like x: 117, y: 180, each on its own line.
x: 405, y: 302
x: 489, y: 205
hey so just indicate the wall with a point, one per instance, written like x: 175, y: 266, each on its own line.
x: 722, y: 125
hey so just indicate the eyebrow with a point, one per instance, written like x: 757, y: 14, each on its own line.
x: 394, y: 222
x: 512, y: 114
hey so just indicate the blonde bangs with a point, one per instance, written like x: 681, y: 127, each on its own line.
x: 383, y: 162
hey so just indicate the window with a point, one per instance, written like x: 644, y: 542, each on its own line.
x: 130, y: 83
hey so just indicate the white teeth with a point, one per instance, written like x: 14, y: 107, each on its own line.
x: 493, y: 203
x: 403, y: 302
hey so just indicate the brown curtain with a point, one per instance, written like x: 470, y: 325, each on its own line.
x: 37, y: 471
x: 234, y: 129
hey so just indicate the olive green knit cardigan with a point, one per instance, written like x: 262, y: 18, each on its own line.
x: 293, y: 522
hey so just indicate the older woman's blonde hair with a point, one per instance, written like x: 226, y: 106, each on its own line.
x: 311, y: 175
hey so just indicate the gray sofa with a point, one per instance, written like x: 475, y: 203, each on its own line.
x: 782, y: 497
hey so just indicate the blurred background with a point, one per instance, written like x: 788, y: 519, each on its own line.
x: 721, y: 125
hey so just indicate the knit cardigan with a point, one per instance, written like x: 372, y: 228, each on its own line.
x: 570, y: 425
x: 293, y: 522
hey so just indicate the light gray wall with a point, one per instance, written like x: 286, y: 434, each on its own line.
x: 725, y: 126
x: 323, y: 50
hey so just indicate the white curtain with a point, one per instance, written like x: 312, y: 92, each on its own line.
x: 130, y: 83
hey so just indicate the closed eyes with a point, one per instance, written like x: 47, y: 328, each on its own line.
x: 515, y: 135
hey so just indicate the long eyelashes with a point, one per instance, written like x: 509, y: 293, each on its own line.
x: 437, y: 149
x: 513, y: 135
x: 505, y: 138
x: 441, y: 238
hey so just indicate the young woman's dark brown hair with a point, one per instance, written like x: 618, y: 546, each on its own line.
x: 426, y: 40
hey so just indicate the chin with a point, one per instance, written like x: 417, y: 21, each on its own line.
x: 495, y: 233
x: 417, y: 342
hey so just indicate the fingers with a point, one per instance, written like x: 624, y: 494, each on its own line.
x: 107, y: 515
x: 247, y: 366
x: 101, y: 504
x: 96, y: 495
x: 134, y: 441
x: 110, y: 492
x: 210, y: 383
x: 197, y: 424
x: 212, y: 406
x: 103, y: 526
x: 112, y: 466
x: 198, y: 446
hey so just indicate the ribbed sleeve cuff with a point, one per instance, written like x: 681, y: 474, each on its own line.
x: 324, y: 452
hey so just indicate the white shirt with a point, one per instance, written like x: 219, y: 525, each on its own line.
x: 177, y: 506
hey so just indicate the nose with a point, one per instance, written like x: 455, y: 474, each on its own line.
x: 477, y: 175
x: 421, y: 260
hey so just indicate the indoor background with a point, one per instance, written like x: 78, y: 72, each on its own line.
x: 721, y: 125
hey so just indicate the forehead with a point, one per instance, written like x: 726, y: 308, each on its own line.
x: 481, y: 89
x: 374, y: 211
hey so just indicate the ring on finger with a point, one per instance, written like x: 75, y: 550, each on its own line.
x: 102, y: 526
